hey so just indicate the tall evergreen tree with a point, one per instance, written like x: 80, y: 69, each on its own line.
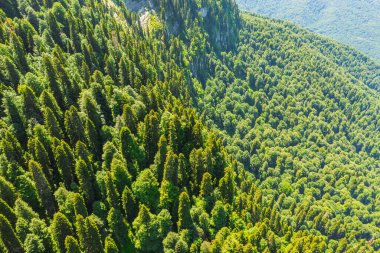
x: 184, y: 218
x: 8, y: 236
x: 43, y: 187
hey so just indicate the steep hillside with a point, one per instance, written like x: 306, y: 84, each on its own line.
x: 356, y: 23
x: 182, y: 127
x: 305, y: 120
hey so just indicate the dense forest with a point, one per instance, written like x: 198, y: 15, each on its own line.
x: 353, y: 22
x: 182, y: 126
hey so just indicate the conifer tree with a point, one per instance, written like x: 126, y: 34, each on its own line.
x: 60, y: 229
x: 74, y: 126
x: 90, y: 108
x: 19, y: 52
x: 11, y: 74
x: 184, y: 218
x: 160, y: 157
x: 79, y: 205
x: 82, y: 171
x: 52, y: 124
x: 30, y: 103
x: 151, y: 136
x: 93, y: 138
x: 43, y: 187
x: 48, y: 101
x: 129, y: 147
x: 171, y: 168
x: 65, y: 162
x: 112, y: 194
x: 8, y: 212
x: 42, y: 157
x: 129, y: 118
x: 14, y: 117
x: 206, y: 190
x: 129, y: 203
x: 110, y: 245
x: 118, y: 227
x: 8, y: 236
x: 92, y: 242
x: 7, y: 191
x: 53, y: 83
x: 71, y: 245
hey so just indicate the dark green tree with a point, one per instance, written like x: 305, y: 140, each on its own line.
x: 43, y: 187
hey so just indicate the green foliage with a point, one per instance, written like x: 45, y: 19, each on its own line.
x: 193, y: 130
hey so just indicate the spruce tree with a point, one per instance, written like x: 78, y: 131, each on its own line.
x: 60, y: 228
x: 85, y: 180
x: 54, y: 85
x: 74, y: 126
x: 8, y: 236
x: 110, y: 245
x: 51, y: 123
x: 129, y: 203
x: 71, y: 245
x: 43, y: 187
x: 184, y: 218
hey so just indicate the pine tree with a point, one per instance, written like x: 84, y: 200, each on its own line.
x: 93, y: 138
x: 14, y: 117
x: 93, y: 242
x: 8, y: 212
x: 124, y: 77
x: 7, y: 191
x: 151, y: 136
x: 60, y: 229
x: 112, y: 194
x: 19, y: 52
x: 110, y: 245
x: 90, y: 108
x: 64, y: 159
x: 74, y: 126
x: 184, y: 217
x: 52, y: 124
x: 79, y: 205
x: 227, y: 185
x: 129, y: 118
x: 54, y: 85
x: 129, y: 147
x: 48, y: 101
x: 120, y: 174
x: 42, y: 157
x: 171, y: 168
x: 85, y: 180
x: 129, y: 203
x: 8, y: 236
x: 71, y: 245
x: 206, y: 190
x: 101, y: 99
x: 111, y: 68
x: 118, y: 227
x: 11, y: 73
x: 160, y: 157
x: 30, y: 103
x: 43, y: 187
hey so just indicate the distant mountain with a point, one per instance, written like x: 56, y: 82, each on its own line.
x: 356, y: 23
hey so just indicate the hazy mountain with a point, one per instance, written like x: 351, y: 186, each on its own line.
x: 356, y: 23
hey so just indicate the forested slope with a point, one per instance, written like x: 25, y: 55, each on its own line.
x: 356, y: 23
x: 109, y: 140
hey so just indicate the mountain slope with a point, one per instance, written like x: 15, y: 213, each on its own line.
x: 160, y: 132
x: 356, y: 23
